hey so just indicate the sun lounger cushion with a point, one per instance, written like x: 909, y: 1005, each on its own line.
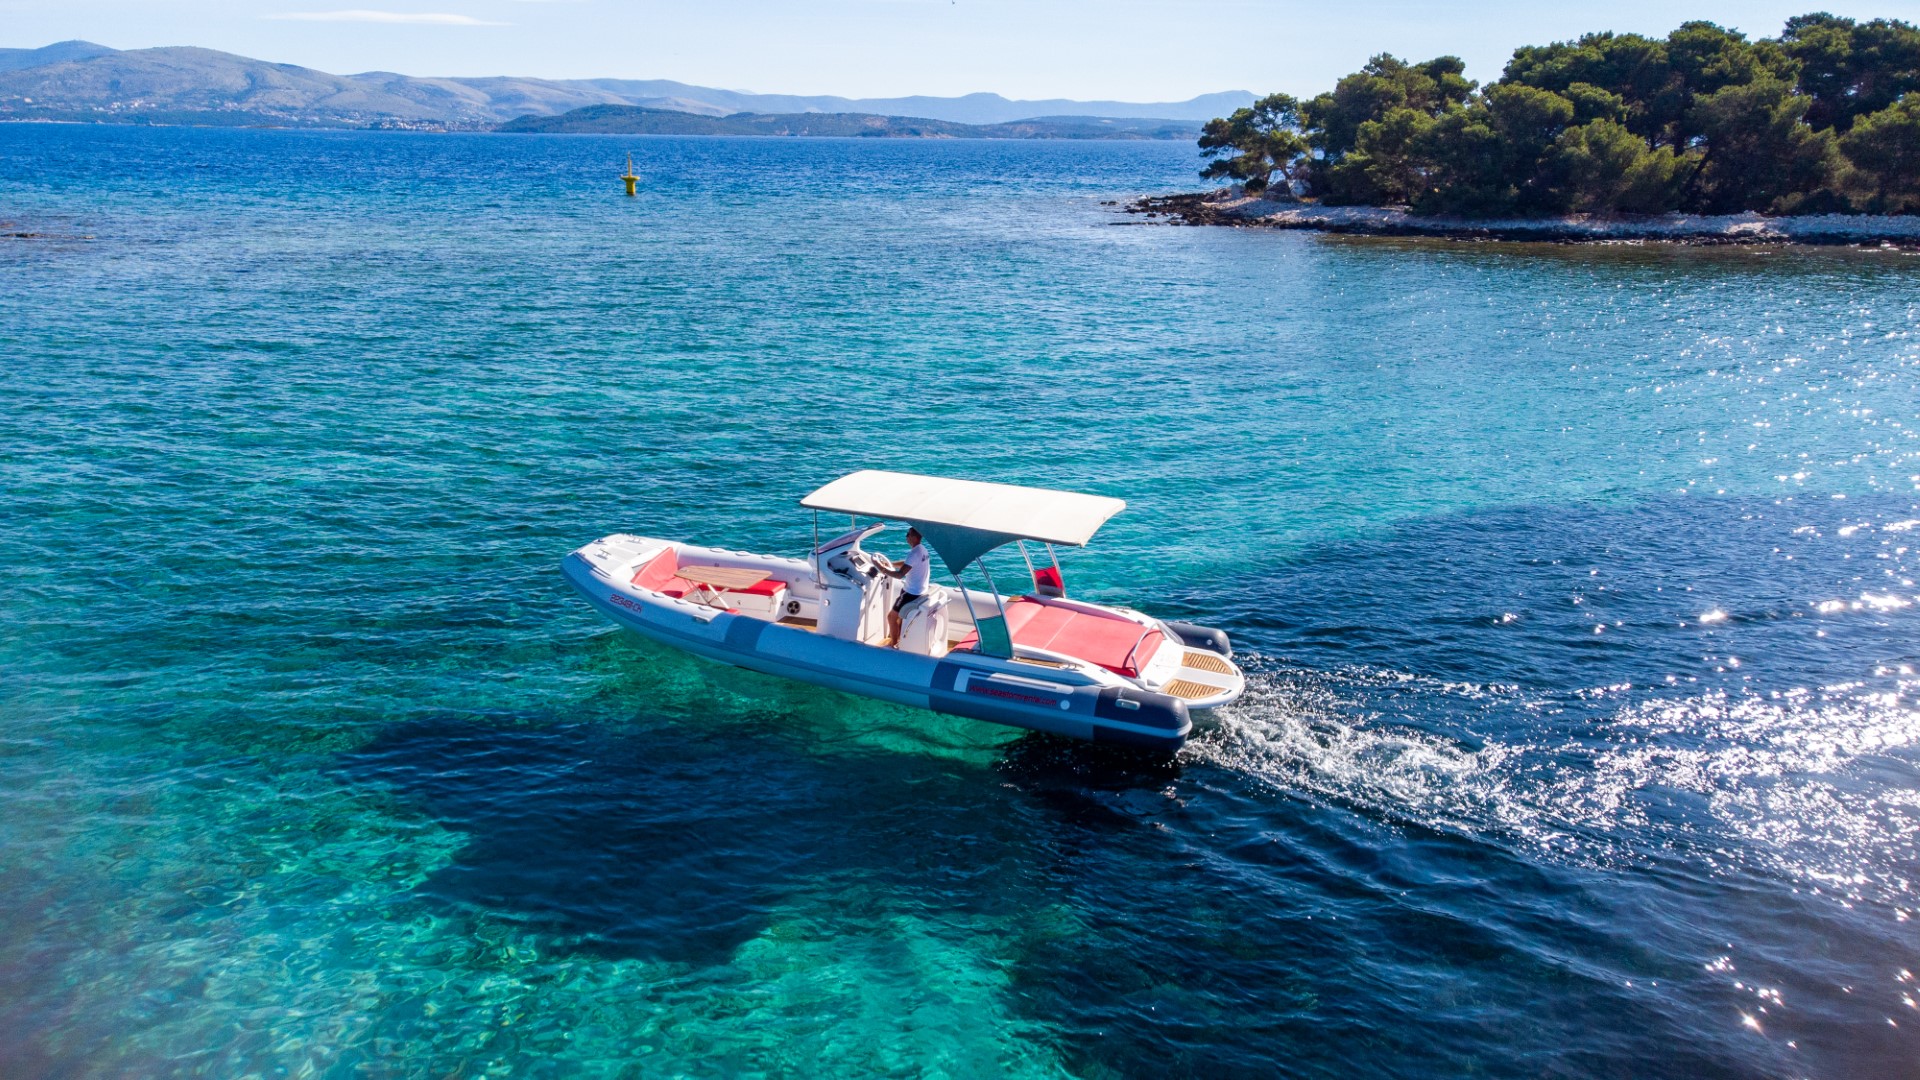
x: 1107, y: 640
x: 661, y: 574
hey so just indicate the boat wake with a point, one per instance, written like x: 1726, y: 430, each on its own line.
x: 1297, y: 731
x: 1819, y: 787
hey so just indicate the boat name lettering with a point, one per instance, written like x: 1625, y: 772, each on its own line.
x: 624, y: 602
x: 994, y: 691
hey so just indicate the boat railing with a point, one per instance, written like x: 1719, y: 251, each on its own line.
x: 1144, y: 635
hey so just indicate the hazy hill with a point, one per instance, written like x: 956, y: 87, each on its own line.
x: 15, y: 59
x: 72, y: 81
x: 634, y: 120
x: 969, y: 109
x: 78, y: 80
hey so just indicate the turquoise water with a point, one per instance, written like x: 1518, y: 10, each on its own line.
x: 1576, y: 584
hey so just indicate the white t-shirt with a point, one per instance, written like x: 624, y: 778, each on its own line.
x: 919, y: 570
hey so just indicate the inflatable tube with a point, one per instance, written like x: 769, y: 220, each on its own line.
x: 1053, y: 693
x: 1141, y: 719
x: 1203, y: 637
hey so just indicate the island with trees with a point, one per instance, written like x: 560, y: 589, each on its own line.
x: 1703, y: 134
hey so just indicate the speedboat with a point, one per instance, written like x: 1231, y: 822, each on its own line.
x: 1041, y: 660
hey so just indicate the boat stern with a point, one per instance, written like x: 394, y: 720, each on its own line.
x: 1204, y: 679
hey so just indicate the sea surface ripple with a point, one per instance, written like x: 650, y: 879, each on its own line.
x: 1577, y: 586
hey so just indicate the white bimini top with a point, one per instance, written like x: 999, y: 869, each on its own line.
x: 965, y: 519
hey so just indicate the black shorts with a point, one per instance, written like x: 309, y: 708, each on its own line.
x: 905, y: 599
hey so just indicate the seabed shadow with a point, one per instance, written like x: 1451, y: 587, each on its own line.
x: 679, y: 843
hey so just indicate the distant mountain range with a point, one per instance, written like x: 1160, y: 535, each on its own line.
x: 637, y: 120
x: 78, y: 80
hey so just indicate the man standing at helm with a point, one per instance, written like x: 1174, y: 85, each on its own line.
x: 917, y: 570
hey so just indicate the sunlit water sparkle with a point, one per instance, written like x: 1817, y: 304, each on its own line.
x: 1577, y: 587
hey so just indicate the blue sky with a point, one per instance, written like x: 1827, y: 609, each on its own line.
x: 1137, y: 50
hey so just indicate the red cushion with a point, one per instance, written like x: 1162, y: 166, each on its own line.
x: 1107, y: 640
x: 661, y: 574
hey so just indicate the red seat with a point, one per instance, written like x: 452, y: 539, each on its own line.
x: 1122, y: 646
x: 662, y: 575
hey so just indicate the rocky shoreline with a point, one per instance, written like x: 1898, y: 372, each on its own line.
x: 1233, y: 207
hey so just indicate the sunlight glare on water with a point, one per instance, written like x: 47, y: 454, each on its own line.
x: 1576, y: 586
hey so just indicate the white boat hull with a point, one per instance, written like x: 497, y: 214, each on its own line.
x: 1075, y: 700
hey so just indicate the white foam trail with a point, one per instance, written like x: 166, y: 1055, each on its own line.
x: 1719, y: 780
x: 1294, y: 731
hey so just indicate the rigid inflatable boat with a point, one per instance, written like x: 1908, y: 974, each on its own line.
x: 1041, y: 660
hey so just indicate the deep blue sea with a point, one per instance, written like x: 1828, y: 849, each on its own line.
x: 1577, y: 586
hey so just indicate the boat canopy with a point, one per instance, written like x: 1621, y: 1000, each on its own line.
x: 965, y: 519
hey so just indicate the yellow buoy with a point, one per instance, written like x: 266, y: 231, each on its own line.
x: 630, y: 178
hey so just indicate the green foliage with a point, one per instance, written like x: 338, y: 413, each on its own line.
x: 1601, y: 166
x: 1827, y: 116
x: 1387, y: 164
x: 1883, y: 150
x: 1592, y: 103
x: 1636, y: 69
x: 1708, y: 58
x: 1382, y: 104
x: 1760, y: 154
x: 1384, y: 85
x: 1255, y: 143
x: 1470, y: 165
x: 1851, y: 69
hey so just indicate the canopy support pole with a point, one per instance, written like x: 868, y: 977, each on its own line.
x: 994, y: 589
x: 968, y: 600
x: 997, y: 602
x: 979, y: 634
x: 813, y: 557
